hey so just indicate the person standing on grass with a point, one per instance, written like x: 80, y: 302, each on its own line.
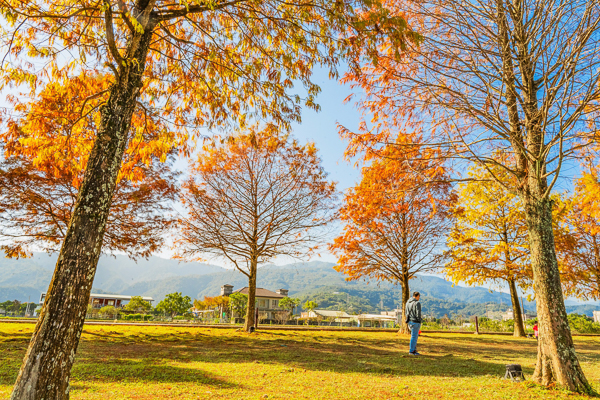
x: 413, y: 319
x: 535, y: 331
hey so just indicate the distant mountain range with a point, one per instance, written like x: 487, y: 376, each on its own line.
x: 24, y: 278
x: 27, y: 278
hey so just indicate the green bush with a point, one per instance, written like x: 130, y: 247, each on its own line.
x: 492, y: 325
x: 108, y: 311
x: 582, y: 324
x: 432, y: 325
x: 137, y: 317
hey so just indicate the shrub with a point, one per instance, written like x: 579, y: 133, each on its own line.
x: 432, y: 325
x: 109, y: 311
x: 138, y: 304
x: 583, y: 324
x: 137, y: 317
x: 491, y: 325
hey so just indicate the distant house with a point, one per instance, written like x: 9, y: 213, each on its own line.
x: 377, y: 320
x: 393, y: 313
x: 266, y: 300
x: 509, y: 314
x: 366, y: 320
x: 337, y: 316
x: 101, y: 300
x: 397, y: 313
x: 597, y: 316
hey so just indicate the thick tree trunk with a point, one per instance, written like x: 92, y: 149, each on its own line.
x: 405, y: 297
x: 251, y: 309
x: 518, y: 315
x: 557, y: 360
x: 46, y: 369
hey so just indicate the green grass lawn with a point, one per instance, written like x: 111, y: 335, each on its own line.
x: 125, y: 362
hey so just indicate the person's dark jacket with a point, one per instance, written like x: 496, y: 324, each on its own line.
x: 413, y: 310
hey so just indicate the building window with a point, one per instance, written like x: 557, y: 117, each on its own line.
x: 262, y: 303
x: 111, y: 303
x: 274, y: 303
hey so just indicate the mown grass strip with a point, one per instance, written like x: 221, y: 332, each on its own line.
x: 151, y: 362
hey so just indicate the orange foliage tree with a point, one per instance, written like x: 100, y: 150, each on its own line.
x: 45, y: 149
x: 221, y: 303
x: 518, y: 77
x: 198, y: 64
x: 394, y: 222
x: 578, y: 239
x: 488, y: 240
x: 253, y: 197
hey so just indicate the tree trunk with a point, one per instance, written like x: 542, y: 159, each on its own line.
x: 251, y: 309
x: 46, y: 368
x: 405, y: 271
x: 557, y: 360
x: 518, y: 315
x: 595, y: 270
x: 405, y: 297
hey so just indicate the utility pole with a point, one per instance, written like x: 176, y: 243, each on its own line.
x: 27, y: 307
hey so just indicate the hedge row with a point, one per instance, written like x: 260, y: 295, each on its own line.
x: 137, y: 317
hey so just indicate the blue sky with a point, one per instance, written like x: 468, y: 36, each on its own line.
x: 320, y: 127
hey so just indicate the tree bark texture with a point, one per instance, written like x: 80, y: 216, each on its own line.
x: 405, y: 297
x: 46, y: 368
x: 557, y: 360
x: 251, y: 309
x: 519, y: 330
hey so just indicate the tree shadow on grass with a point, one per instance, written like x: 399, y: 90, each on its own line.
x: 107, y: 365
x: 144, y: 370
x: 374, y: 356
x: 15, y: 336
x: 591, y: 347
x: 448, y: 357
x: 143, y: 357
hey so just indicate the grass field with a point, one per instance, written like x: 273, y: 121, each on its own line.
x: 121, y: 362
